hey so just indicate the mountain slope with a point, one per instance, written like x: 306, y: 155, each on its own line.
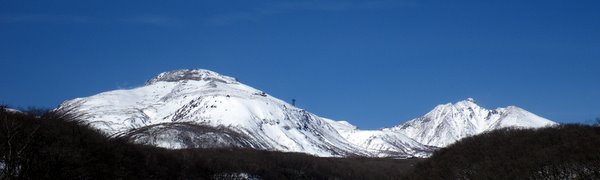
x: 53, y: 146
x: 10, y: 110
x: 447, y: 123
x: 230, y: 113
x: 381, y: 143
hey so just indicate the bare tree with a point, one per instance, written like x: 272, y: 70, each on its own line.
x: 14, y: 146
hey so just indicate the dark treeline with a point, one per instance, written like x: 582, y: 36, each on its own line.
x: 561, y: 152
x: 55, y: 147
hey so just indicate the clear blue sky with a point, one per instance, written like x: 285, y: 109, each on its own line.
x: 374, y: 63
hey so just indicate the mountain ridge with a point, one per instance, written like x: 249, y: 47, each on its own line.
x: 448, y: 123
x: 195, y: 106
x: 205, y: 98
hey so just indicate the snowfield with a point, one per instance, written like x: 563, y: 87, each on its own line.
x: 448, y: 123
x: 200, y: 109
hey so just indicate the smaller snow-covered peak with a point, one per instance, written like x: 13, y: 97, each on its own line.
x: 191, y: 74
x: 470, y: 102
x: 464, y: 105
x: 341, y: 125
x: 449, y: 122
x: 11, y: 110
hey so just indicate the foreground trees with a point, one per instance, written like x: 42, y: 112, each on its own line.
x: 52, y: 146
x: 561, y: 152
x: 55, y: 147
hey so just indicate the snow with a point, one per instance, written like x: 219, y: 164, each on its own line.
x: 206, y: 98
x: 243, y: 116
x: 236, y: 176
x: 381, y: 143
x: 448, y: 123
x: 12, y: 110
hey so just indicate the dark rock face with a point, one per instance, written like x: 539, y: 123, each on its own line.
x: 188, y: 135
x: 193, y: 75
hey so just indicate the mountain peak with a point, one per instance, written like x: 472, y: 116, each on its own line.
x: 191, y: 74
x: 448, y: 123
x: 470, y: 100
x: 186, y: 109
x: 460, y: 105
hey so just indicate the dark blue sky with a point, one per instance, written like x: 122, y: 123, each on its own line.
x: 373, y: 63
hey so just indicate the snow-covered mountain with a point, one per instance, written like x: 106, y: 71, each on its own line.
x: 381, y: 143
x: 447, y: 123
x: 201, y: 108
x: 12, y: 110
